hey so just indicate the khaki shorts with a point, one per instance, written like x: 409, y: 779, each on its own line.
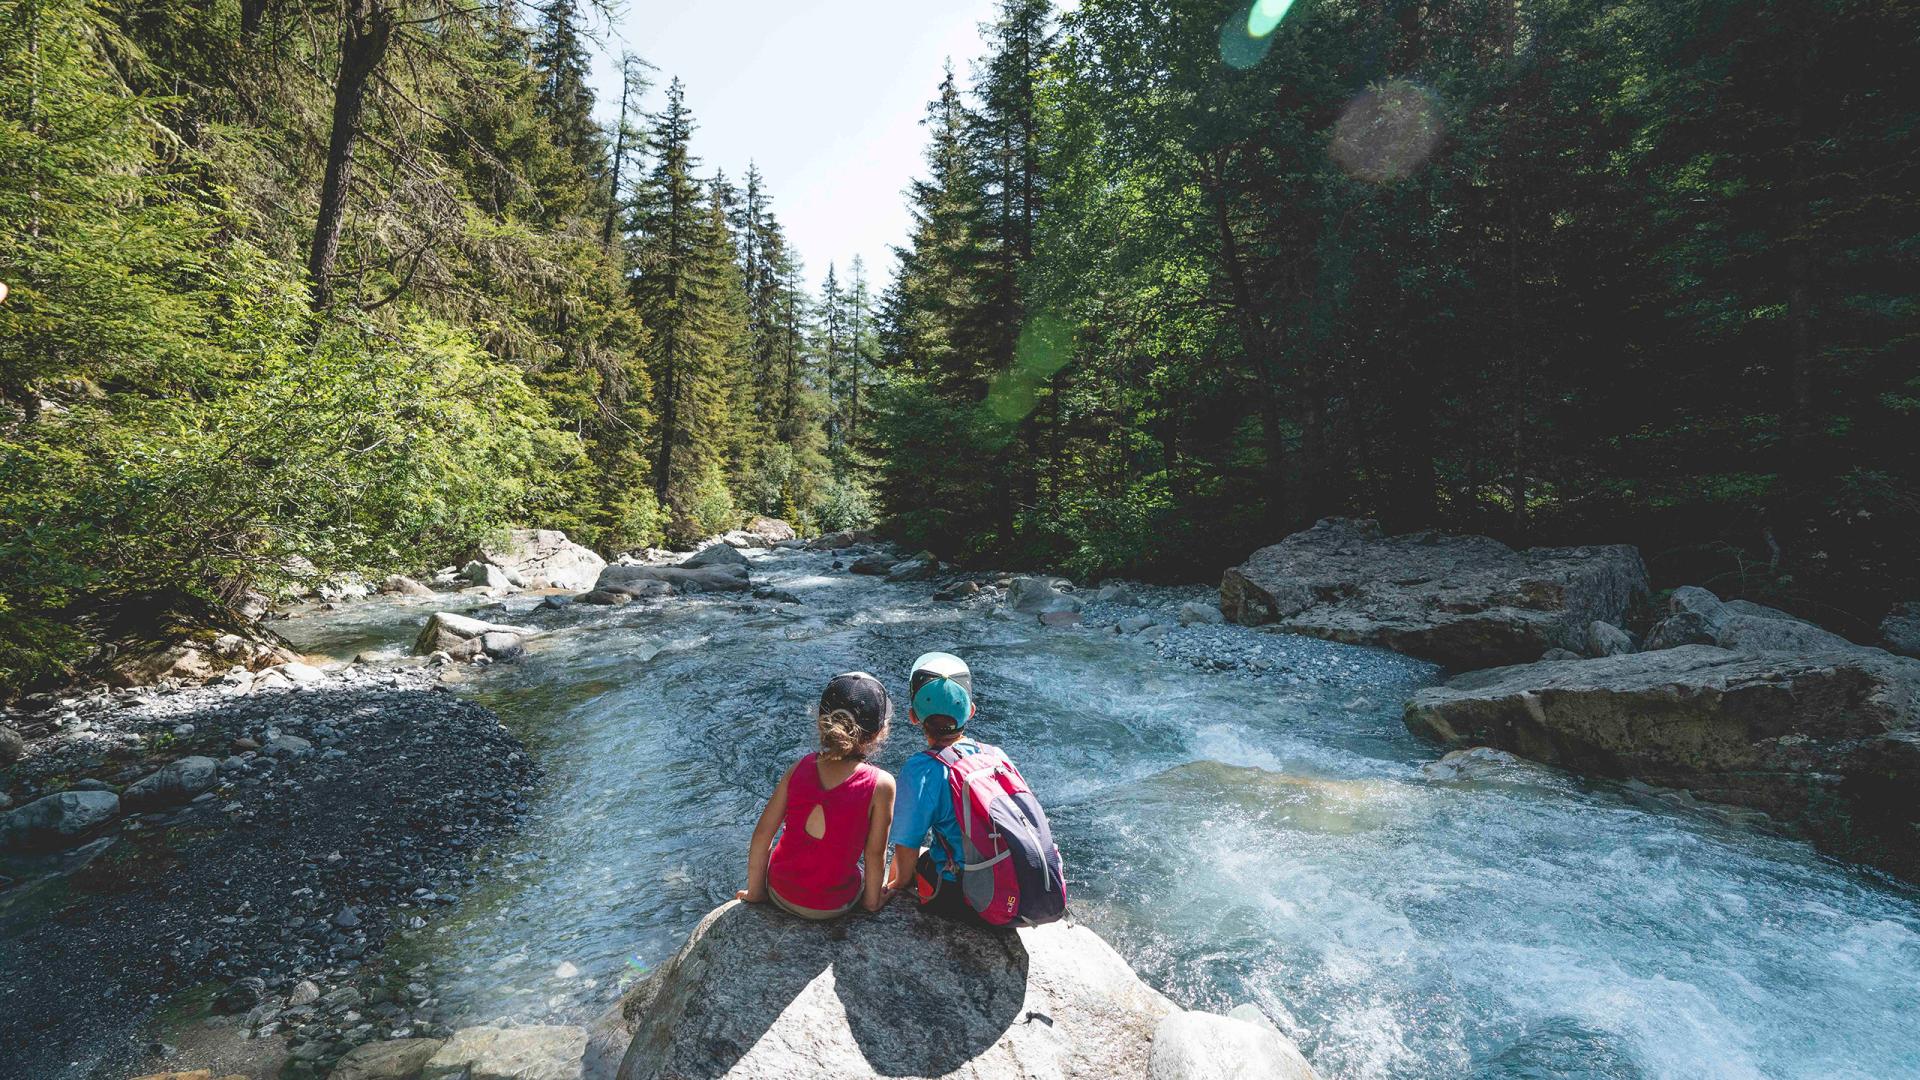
x: 807, y: 912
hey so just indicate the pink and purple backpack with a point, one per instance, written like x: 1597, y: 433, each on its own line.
x: 1009, y: 870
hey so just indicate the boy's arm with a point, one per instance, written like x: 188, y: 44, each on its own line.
x: 900, y: 874
x: 880, y: 822
x: 762, y: 844
x: 912, y: 816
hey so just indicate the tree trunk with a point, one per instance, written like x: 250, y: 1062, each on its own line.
x: 1253, y: 341
x: 363, y: 43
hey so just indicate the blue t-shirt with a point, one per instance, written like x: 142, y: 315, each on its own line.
x: 923, y: 801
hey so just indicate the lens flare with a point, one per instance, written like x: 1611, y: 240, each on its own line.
x: 1240, y: 48
x: 1387, y: 132
x: 1266, y: 15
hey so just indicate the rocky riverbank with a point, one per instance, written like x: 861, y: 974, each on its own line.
x: 245, y: 857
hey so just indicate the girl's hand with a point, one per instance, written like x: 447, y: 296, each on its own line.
x: 748, y: 896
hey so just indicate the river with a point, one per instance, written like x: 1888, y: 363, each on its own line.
x: 1239, y: 837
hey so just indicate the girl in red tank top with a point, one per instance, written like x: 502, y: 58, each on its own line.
x: 830, y: 812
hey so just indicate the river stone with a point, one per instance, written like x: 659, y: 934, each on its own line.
x: 1193, y: 611
x: 541, y: 1052
x: 769, y: 531
x: 1201, y: 1046
x: 1827, y: 743
x: 394, y: 1059
x: 486, y: 575
x: 1900, y: 630
x: 630, y: 579
x: 172, y: 784
x: 876, y: 565
x: 718, y: 557
x: 1462, y: 601
x: 1038, y: 595
x: 605, y: 598
x: 757, y: 993
x: 918, y: 568
x: 56, y: 822
x: 545, y: 559
x: 12, y: 746
x: 445, y: 630
x: 503, y: 646
x: 402, y: 585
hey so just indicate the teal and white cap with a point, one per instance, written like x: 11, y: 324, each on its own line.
x: 941, y: 686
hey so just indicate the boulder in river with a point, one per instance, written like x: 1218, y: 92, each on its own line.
x: 769, y: 531
x: 757, y: 993
x: 12, y: 746
x: 717, y: 557
x: 402, y: 585
x: 875, y: 565
x: 680, y: 579
x: 1828, y: 743
x: 914, y: 568
x: 1900, y: 630
x: 1462, y: 601
x: 56, y: 822
x: 449, y: 632
x: 172, y: 784
x: 488, y: 576
x: 1038, y: 596
x: 545, y: 559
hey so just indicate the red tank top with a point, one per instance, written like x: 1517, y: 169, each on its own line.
x: 823, y: 874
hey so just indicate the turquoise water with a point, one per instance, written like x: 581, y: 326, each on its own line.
x: 1239, y: 839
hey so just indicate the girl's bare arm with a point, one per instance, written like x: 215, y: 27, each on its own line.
x: 762, y: 845
x: 879, y: 823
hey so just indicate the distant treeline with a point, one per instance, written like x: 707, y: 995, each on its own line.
x: 1556, y: 270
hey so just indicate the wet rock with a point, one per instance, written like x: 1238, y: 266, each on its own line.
x: 678, y: 578
x: 1133, y: 624
x: 961, y: 591
x: 446, y: 631
x: 402, y: 585
x: 394, y: 1059
x: 717, y: 557
x: 56, y: 822
x: 1201, y: 1046
x: 1827, y: 743
x: 1039, y: 595
x: 836, y: 541
x: 754, y: 993
x: 172, y: 784
x: 1463, y: 601
x: 1059, y: 618
x: 545, y: 559
x: 12, y: 746
x: 605, y: 598
x: 1478, y: 763
x: 877, y: 565
x: 503, y: 646
x: 549, y: 1052
x: 1193, y: 611
x: 917, y: 568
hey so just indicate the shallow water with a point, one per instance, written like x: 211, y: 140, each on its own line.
x: 1238, y: 838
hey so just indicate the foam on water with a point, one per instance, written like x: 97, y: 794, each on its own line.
x: 1239, y: 839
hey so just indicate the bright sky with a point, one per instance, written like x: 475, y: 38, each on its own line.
x: 826, y: 97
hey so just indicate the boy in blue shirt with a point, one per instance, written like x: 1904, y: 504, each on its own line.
x: 940, y: 701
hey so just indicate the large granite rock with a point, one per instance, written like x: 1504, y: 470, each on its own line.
x: 58, y: 821
x: 679, y: 579
x: 1202, y: 1046
x: 720, y: 556
x: 1039, y: 596
x: 1827, y: 743
x: 545, y: 559
x: 758, y: 993
x: 393, y: 1059
x: 1462, y: 601
x: 462, y: 636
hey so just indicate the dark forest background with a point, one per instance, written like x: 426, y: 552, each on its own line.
x: 363, y: 281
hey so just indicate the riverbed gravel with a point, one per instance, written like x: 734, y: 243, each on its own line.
x: 342, y: 811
